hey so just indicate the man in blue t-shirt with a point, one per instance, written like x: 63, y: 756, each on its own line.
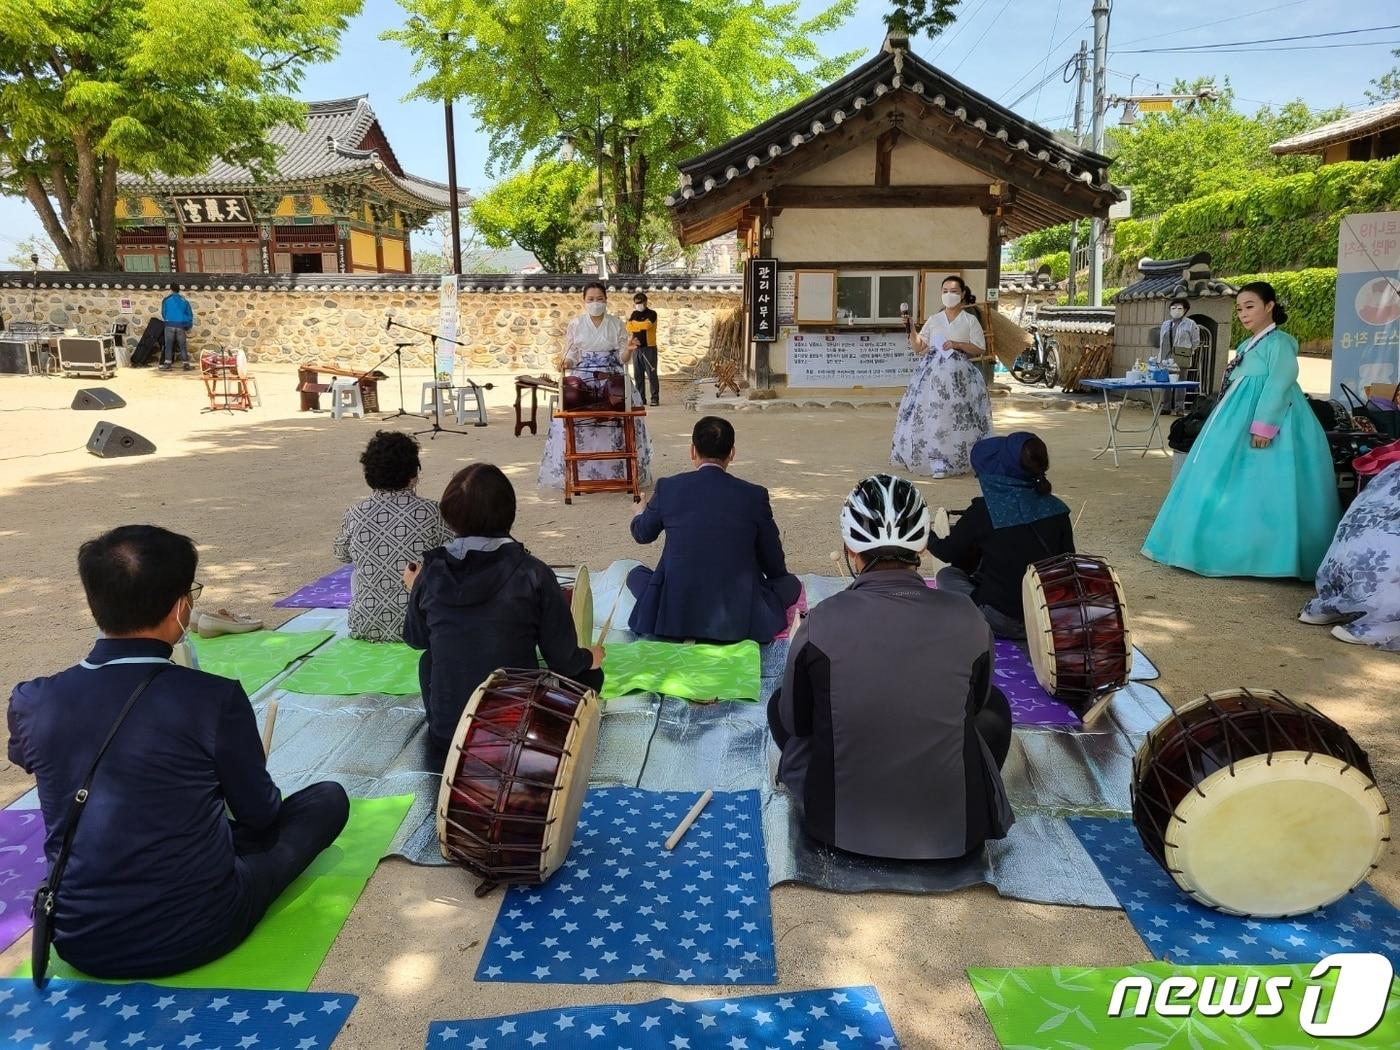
x: 159, y: 879
x: 178, y: 315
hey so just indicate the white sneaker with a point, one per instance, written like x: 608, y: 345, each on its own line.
x: 940, y: 470
x: 1320, y: 619
x: 1343, y: 635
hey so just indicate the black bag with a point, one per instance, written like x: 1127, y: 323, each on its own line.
x: 1185, y: 429
x: 151, y: 343
x: 46, y: 896
x: 1371, y: 418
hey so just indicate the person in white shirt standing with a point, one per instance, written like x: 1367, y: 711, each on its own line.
x: 945, y: 409
x: 1180, y: 338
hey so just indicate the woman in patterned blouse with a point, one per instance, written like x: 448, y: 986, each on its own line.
x: 383, y: 533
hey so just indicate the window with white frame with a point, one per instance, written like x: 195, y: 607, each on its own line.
x: 873, y: 296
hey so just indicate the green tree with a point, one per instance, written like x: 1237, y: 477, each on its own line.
x: 919, y: 16
x: 1173, y: 157
x: 1387, y: 85
x: 650, y: 81
x: 541, y: 209
x: 435, y: 240
x: 89, y: 89
x: 49, y: 257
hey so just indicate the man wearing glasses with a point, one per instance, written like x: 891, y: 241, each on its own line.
x: 184, y: 840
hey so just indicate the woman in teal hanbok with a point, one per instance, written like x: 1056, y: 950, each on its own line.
x: 1257, y: 496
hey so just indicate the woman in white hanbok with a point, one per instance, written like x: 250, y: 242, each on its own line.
x: 595, y: 340
x: 945, y: 409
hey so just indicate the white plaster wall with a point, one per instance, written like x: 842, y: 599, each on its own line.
x: 875, y: 235
x: 915, y: 163
x: 855, y: 167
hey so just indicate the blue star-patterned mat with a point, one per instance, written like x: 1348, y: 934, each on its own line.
x: 1178, y: 929
x: 623, y: 908
x: 144, y: 1017
x: 827, y: 1019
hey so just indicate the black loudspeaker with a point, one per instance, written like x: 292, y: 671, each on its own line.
x: 111, y: 441
x: 97, y: 398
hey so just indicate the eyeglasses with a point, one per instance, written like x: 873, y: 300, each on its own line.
x: 195, y: 591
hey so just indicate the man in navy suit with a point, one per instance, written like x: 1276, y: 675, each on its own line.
x: 721, y: 577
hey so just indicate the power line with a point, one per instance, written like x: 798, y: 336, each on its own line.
x: 1049, y: 51
x: 990, y: 26
x: 1261, y: 50
x: 1056, y: 25
x: 1219, y: 21
x: 963, y: 23
x: 1263, y: 40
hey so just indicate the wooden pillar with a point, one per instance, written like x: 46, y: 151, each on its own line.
x: 762, y: 364
x: 172, y: 246
x: 994, y: 224
x: 407, y: 251
x: 342, y: 247
x: 378, y: 250
x: 265, y: 246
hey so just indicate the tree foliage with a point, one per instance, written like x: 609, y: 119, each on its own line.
x: 1387, y: 85
x: 1168, y: 158
x: 656, y: 80
x: 1041, y: 242
x: 921, y: 16
x: 542, y: 210
x: 89, y: 88
x: 49, y: 257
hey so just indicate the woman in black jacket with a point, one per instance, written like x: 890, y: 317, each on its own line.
x: 1016, y: 521
x: 482, y: 602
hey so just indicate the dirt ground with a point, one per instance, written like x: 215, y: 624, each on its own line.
x: 263, y: 492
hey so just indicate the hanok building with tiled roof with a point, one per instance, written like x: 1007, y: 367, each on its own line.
x: 1367, y: 134
x: 338, y: 201
x: 864, y: 197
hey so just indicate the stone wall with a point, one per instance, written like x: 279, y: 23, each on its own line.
x: 507, y: 323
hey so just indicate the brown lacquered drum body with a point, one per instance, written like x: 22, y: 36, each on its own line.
x: 1258, y: 805
x: 593, y: 390
x: 1076, y: 628
x: 515, y: 778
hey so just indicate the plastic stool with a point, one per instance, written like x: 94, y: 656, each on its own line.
x: 426, y: 402
x: 479, y: 396
x: 345, y: 398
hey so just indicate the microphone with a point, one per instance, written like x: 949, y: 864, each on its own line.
x: 388, y: 320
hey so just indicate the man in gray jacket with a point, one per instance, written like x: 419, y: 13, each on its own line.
x: 892, y: 734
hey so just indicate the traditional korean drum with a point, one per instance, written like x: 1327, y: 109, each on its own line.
x: 1076, y: 629
x: 223, y: 362
x: 1257, y: 805
x: 579, y: 594
x: 516, y: 775
x: 593, y: 390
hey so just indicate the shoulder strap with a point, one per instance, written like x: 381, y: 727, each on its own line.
x: 75, y: 811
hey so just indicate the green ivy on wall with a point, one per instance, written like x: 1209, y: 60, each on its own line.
x: 1309, y: 296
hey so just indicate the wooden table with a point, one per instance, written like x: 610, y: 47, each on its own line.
x: 534, y: 384
x: 311, y: 388
x: 630, y: 480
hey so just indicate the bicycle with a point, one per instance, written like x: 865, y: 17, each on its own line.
x: 1039, y: 362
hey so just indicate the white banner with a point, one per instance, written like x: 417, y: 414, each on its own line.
x: 1366, y: 328
x: 445, y: 353
x: 850, y: 359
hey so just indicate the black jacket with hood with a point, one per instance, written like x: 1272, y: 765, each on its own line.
x: 487, y: 610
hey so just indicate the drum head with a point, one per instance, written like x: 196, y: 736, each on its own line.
x: 1280, y: 835
x: 572, y: 783
x: 1040, y: 636
x: 582, y: 607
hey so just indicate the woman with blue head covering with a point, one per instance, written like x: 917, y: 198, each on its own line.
x: 1016, y: 521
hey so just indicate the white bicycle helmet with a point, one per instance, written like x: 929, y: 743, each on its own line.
x: 885, y: 511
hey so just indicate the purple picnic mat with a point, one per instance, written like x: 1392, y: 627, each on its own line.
x: 1030, y: 704
x: 22, y: 869
x: 331, y: 591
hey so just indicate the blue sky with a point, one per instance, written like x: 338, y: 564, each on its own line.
x: 999, y: 47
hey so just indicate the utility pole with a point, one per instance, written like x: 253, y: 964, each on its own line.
x: 452, y: 181
x: 1081, y: 73
x: 1100, y: 13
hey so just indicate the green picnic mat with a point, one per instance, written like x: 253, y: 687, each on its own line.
x: 1066, y: 1008
x: 286, y: 949
x: 255, y: 658
x: 351, y: 667
x: 694, y: 672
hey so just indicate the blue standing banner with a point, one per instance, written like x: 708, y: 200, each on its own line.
x: 1366, y: 328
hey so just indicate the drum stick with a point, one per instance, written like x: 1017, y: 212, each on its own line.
x: 1082, y: 507
x: 267, y: 727
x: 607, y: 624
x: 684, y: 825
x: 840, y: 566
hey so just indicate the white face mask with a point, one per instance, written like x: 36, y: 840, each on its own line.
x: 1178, y: 313
x: 597, y: 308
x: 951, y: 299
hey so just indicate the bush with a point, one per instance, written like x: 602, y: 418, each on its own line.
x: 1310, y: 297
x: 1058, y: 263
x: 1041, y: 243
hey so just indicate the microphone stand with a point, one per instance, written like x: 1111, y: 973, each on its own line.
x: 437, y: 427
x: 397, y: 355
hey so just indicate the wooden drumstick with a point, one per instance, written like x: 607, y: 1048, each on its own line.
x: 840, y: 565
x: 607, y: 624
x: 267, y: 727
x: 684, y: 825
x: 1082, y: 508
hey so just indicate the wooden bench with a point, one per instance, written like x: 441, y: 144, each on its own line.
x: 311, y: 388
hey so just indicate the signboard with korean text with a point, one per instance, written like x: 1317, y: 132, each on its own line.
x: 787, y: 296
x: 1366, y: 322
x: 211, y: 211
x: 849, y: 360
x: 445, y: 346
x: 763, y: 300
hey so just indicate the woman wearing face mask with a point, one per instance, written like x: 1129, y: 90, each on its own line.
x: 945, y: 410
x: 1256, y: 496
x: 1179, y: 337
x: 595, y: 341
